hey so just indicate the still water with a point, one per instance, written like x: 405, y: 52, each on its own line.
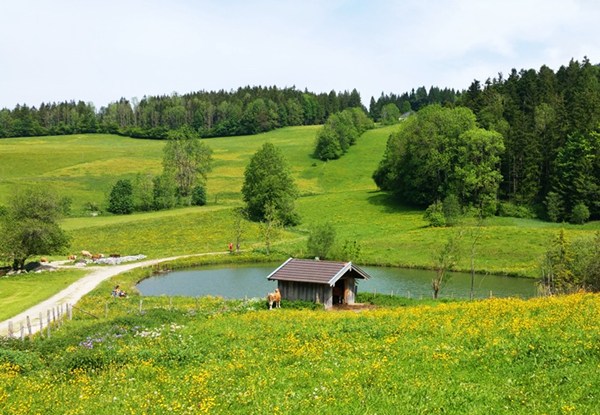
x: 250, y: 280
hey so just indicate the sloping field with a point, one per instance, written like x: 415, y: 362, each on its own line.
x: 84, y: 167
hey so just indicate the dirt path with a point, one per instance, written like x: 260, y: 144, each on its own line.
x: 78, y: 289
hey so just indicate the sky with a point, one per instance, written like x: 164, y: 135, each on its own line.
x: 100, y: 51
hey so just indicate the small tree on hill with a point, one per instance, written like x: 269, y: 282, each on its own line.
x: 120, y: 201
x: 321, y: 240
x: 268, y: 182
x: 30, y: 227
x: 187, y: 160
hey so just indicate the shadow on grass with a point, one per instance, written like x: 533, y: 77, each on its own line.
x: 390, y: 203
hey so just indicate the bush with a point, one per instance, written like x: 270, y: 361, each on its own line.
x: 321, y: 240
x: 452, y: 210
x: 121, y: 198
x: 554, y: 207
x: 508, y: 209
x: 580, y: 214
x: 434, y: 214
x: 199, y: 195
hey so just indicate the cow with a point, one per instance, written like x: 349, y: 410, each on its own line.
x: 86, y: 254
x: 72, y: 257
x: 274, y: 298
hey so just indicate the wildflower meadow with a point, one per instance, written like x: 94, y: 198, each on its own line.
x: 208, y: 355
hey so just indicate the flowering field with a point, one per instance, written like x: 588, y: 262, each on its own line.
x: 210, y: 356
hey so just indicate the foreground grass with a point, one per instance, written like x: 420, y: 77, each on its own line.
x: 501, y: 356
x: 19, y: 292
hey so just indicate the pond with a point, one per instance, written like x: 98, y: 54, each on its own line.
x: 250, y: 280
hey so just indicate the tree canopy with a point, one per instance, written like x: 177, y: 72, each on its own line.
x: 438, y: 152
x: 30, y: 226
x: 268, y: 184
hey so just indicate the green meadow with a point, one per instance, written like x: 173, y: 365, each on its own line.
x: 184, y: 355
x: 84, y: 168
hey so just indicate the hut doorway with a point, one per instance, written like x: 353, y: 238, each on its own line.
x: 338, y: 291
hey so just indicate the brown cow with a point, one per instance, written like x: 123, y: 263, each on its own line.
x: 86, y: 254
x: 274, y: 298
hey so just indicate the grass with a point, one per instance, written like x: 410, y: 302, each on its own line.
x: 84, y: 167
x: 501, y: 356
x: 19, y: 292
x: 207, y: 355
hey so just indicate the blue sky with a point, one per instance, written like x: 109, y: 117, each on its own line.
x: 100, y: 51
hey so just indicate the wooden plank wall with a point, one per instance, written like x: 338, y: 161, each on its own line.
x: 320, y: 293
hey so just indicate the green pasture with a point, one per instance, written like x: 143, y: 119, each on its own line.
x: 84, y: 167
x: 19, y: 292
x: 208, y: 355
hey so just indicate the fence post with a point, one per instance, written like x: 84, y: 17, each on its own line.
x: 141, y: 301
x: 49, y: 322
x: 69, y: 311
x: 491, y: 295
x: 22, y: 331
x: 41, y: 322
x: 170, y: 303
x: 29, y: 326
x: 53, y: 314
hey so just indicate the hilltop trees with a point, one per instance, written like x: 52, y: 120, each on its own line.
x: 269, y: 189
x: 29, y: 226
x: 340, y: 132
x: 247, y: 110
x: 441, y: 152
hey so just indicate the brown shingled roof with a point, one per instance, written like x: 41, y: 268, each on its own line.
x: 315, y: 271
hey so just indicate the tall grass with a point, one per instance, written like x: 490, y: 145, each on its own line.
x: 501, y: 356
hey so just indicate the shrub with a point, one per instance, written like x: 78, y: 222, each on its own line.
x: 452, y: 210
x: 321, y: 240
x: 580, y: 214
x: 512, y: 210
x: 434, y: 214
x: 199, y: 195
x: 121, y: 198
x: 554, y: 207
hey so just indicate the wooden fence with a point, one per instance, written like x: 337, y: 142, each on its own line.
x: 54, y: 319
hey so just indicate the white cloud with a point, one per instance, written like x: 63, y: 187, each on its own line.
x: 102, y: 50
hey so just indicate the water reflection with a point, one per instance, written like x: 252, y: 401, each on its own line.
x: 250, y: 280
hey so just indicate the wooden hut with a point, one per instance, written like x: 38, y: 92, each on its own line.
x: 327, y: 282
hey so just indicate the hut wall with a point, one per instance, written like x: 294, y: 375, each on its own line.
x: 321, y: 293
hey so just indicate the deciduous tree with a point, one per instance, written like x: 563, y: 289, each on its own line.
x: 268, y: 182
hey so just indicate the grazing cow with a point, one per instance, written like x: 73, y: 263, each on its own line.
x: 115, y: 255
x: 43, y: 259
x: 72, y: 257
x: 274, y: 298
x: 97, y: 256
x: 86, y: 254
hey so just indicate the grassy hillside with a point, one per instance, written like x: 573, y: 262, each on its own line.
x: 84, y: 167
x: 501, y: 356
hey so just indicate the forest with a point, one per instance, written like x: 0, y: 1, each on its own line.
x: 549, y: 122
x: 245, y: 111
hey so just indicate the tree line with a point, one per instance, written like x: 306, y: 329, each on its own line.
x: 412, y: 101
x: 550, y: 122
x: 245, y: 111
